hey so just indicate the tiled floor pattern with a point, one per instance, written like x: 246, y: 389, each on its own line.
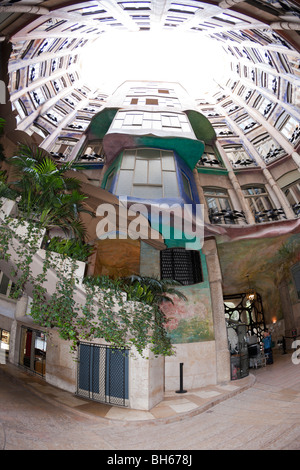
x: 174, y: 405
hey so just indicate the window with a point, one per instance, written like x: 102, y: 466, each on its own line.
x: 219, y: 205
x: 151, y: 101
x: 238, y: 156
x: 247, y: 124
x: 181, y: 265
x: 217, y: 199
x: 289, y: 127
x: 222, y: 130
x: 264, y: 106
x: 147, y: 120
x: 53, y: 116
x: 259, y: 202
x: 186, y: 185
x: 20, y: 107
x: 296, y: 277
x: 170, y: 120
x: 267, y: 148
x: 4, y: 345
x: 37, y: 97
x: 5, y: 284
x: 63, y: 147
x: 93, y: 152
x: 33, y: 350
x: 148, y: 173
x: 292, y: 192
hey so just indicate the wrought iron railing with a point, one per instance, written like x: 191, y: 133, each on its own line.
x: 58, y: 156
x: 225, y: 216
x: 243, y: 162
x: 92, y: 158
x: 296, y: 209
x: 269, y: 215
x: 205, y: 161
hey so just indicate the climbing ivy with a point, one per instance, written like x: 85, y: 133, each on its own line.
x: 123, y: 312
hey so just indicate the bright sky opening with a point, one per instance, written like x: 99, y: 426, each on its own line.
x: 191, y: 59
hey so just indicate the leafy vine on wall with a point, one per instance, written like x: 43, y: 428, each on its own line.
x: 124, y: 313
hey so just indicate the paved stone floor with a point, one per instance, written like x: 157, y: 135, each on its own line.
x: 259, y: 412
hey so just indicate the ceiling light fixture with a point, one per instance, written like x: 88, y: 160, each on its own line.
x: 250, y: 293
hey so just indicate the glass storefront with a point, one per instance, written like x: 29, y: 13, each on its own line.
x: 33, y: 350
x: 4, y: 345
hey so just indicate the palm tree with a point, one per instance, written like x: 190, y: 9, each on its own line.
x: 45, y: 193
x: 155, y: 290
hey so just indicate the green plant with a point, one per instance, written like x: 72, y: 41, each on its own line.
x: 73, y: 248
x: 160, y: 290
x: 45, y: 194
x: 5, y: 190
x: 142, y: 325
x: 2, y: 124
x: 123, y: 312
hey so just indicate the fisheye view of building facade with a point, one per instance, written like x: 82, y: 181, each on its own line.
x: 148, y: 223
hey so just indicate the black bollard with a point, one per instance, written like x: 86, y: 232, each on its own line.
x: 283, y: 345
x: 181, y: 379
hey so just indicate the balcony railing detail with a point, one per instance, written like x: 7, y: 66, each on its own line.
x: 205, y: 161
x: 225, y: 216
x: 91, y: 158
x: 296, y: 209
x: 243, y: 162
x: 269, y: 215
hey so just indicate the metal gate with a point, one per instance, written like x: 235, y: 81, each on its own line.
x: 102, y: 374
x: 239, y: 309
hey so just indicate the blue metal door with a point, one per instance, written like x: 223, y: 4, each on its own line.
x: 102, y: 373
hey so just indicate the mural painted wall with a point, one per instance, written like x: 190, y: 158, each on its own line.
x: 191, y: 321
x: 267, y: 261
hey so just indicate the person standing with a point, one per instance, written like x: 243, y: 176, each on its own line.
x: 267, y: 340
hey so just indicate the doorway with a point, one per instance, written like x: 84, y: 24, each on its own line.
x: 33, y: 350
x: 102, y: 374
x: 239, y: 309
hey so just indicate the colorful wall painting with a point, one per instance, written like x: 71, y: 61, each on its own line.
x: 267, y: 261
x: 190, y: 321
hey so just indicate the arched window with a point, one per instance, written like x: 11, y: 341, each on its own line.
x: 292, y: 192
x: 219, y: 205
x: 259, y: 201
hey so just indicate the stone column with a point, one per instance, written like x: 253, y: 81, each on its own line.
x: 296, y: 158
x: 146, y: 380
x: 215, y: 282
x: 279, y: 194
